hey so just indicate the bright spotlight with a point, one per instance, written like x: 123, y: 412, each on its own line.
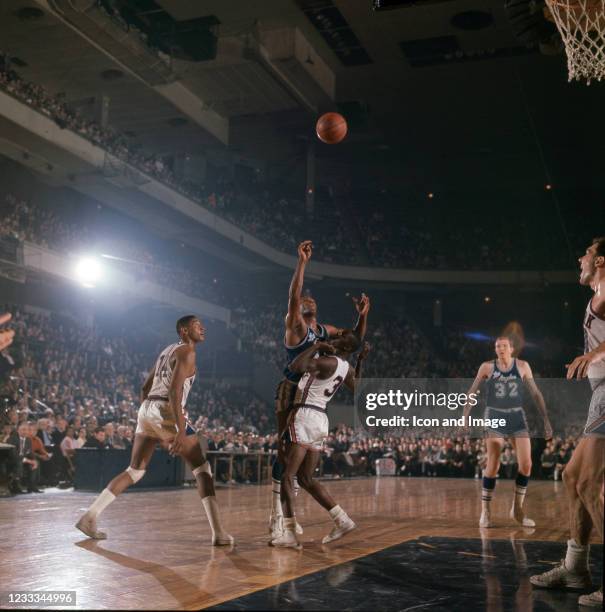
x: 88, y: 271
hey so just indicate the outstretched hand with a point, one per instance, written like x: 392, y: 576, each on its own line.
x: 305, y: 250
x: 362, y: 305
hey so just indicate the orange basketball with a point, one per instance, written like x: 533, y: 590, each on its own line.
x: 331, y: 128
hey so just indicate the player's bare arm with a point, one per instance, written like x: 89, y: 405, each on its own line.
x: 323, y: 367
x: 362, y: 305
x: 484, y: 371
x: 578, y: 368
x: 296, y: 328
x: 354, y: 374
x: 536, y: 395
x: 183, y: 368
x: 146, y: 388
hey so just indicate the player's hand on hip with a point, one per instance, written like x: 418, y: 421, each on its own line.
x: 177, y: 444
x: 578, y: 368
x: 305, y: 250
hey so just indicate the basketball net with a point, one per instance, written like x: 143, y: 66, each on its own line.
x: 581, y: 24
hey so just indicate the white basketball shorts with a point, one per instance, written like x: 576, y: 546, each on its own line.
x: 309, y: 427
x: 155, y: 419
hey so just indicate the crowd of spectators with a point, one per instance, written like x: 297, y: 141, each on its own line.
x: 74, y: 386
x: 350, y: 452
x: 381, y: 234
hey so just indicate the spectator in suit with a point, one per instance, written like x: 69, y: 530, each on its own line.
x: 457, y: 461
x: 10, y: 436
x: 45, y: 432
x: 97, y: 440
x: 561, y: 460
x: 110, y: 437
x: 548, y: 460
x: 121, y: 440
x: 42, y: 456
x: 59, y: 432
x: 28, y: 466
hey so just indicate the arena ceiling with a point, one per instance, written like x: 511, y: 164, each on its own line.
x: 438, y: 94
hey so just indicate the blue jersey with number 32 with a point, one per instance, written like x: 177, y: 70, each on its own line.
x: 505, y: 389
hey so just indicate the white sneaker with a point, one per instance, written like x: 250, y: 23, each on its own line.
x: 561, y: 578
x: 518, y: 515
x: 222, y: 539
x: 88, y: 526
x: 486, y: 519
x: 592, y: 600
x: 287, y: 539
x: 276, y: 523
x: 342, y: 527
x: 276, y: 526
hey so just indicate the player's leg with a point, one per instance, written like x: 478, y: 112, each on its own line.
x: 590, y: 488
x: 277, y: 473
x: 284, y: 396
x: 494, y: 449
x: 573, y: 572
x: 294, y: 457
x: 193, y: 454
x: 142, y: 450
x: 522, y: 446
x: 342, y: 522
x: 589, y: 484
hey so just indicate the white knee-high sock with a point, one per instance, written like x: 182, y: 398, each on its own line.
x: 576, y: 559
x: 100, y: 503
x: 520, y: 491
x: 276, y: 509
x: 337, y: 514
x: 213, y: 514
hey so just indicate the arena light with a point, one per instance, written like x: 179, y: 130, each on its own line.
x: 88, y: 271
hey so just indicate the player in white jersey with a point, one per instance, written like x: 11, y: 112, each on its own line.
x: 583, y: 475
x: 324, y: 368
x: 162, y: 419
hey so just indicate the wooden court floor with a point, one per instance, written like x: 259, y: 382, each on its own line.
x: 157, y: 555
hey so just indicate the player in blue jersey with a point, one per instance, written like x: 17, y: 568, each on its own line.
x: 302, y: 330
x: 506, y: 376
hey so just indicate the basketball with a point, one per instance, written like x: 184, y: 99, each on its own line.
x: 331, y: 128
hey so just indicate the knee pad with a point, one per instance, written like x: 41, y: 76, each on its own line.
x: 203, y: 469
x: 277, y: 471
x: 135, y: 475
